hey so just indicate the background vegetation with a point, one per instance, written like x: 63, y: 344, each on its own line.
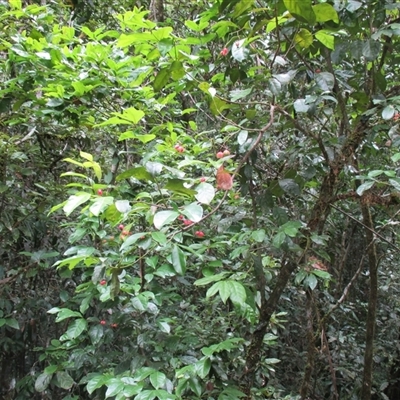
x: 199, y: 200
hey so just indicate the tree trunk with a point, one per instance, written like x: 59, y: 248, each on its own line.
x: 372, y: 301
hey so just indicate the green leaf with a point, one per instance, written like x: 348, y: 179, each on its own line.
x: 178, y: 260
x: 291, y: 228
x: 303, y: 38
x: 177, y: 186
x: 154, y: 168
x: 123, y: 206
x: 86, y: 156
x: 258, y: 235
x: 301, y: 10
x: 100, y: 204
x: 202, y: 367
x: 139, y: 173
x: 211, y: 278
x: 163, y: 218
x: 64, y: 380
x: 237, y: 292
x: 322, y: 274
x: 197, y: 27
x: 395, y: 183
x: 177, y: 70
x: 279, y: 239
x: 365, y: 186
x: 388, y: 112
x: 96, y: 333
x: 241, y: 7
x: 290, y: 186
x: 326, y: 38
x: 157, y: 379
x: 396, y: 157
x: 161, y: 79
x: 12, y: 323
x: 371, y: 49
x: 325, y: 80
x: 114, y: 386
x: 217, y: 106
x: 325, y: 12
x: 64, y: 313
x: 75, y: 201
x: 16, y: 4
x: 74, y: 329
x: 238, y: 94
x: 159, y: 237
x: 228, y: 289
x: 146, y: 395
x: 132, y: 239
x: 42, y: 382
x: 95, y: 383
x: 205, y: 193
x: 311, y: 281
x: 115, y: 284
x: 193, y: 211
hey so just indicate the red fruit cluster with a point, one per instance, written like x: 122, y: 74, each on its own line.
x: 114, y: 325
x: 103, y: 282
x: 121, y: 227
x: 187, y: 222
x: 199, y: 234
x: 102, y: 322
x: 179, y: 148
x: 203, y: 179
x: 100, y: 192
x: 224, y: 52
x: 396, y: 116
x: 224, y: 153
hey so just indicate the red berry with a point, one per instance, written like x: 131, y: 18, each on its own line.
x: 187, y: 222
x: 199, y: 234
x: 203, y: 179
x: 226, y: 152
x: 181, y: 217
x: 224, y: 52
x: 125, y: 233
x: 102, y: 322
x: 177, y: 146
x: 220, y: 154
x: 121, y: 227
x: 100, y: 192
x: 114, y: 325
x: 317, y: 71
x: 180, y: 149
x: 103, y: 282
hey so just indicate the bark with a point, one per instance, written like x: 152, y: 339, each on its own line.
x: 372, y: 301
x: 157, y: 10
x: 305, y: 386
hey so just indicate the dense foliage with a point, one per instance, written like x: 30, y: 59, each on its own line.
x: 199, y: 200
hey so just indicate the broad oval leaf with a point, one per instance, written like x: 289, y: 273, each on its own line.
x: 325, y: 80
x: 75, y: 201
x: 163, y: 218
x: 205, y: 193
x: 42, y: 382
x: 157, y: 379
x: 64, y: 380
x: 289, y: 186
x: 123, y: 206
x: 193, y: 211
x: 178, y: 260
